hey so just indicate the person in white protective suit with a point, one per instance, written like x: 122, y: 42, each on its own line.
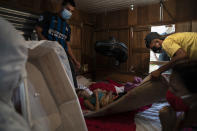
x: 13, y: 55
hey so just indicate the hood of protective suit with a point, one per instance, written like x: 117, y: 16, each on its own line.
x: 13, y: 55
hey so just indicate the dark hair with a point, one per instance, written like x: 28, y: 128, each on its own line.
x: 79, y: 90
x: 72, y: 2
x: 151, y: 36
x: 187, y: 71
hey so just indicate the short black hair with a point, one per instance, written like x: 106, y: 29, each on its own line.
x: 72, y: 2
x: 151, y: 36
x: 79, y: 90
x: 187, y: 71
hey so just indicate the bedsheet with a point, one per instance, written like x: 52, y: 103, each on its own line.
x: 148, y: 120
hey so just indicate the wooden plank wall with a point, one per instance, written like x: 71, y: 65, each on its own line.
x: 189, y: 26
x: 186, y: 10
x: 107, y: 25
x: 121, y: 35
x: 23, y: 5
x: 181, y: 11
x: 150, y: 14
x: 112, y: 19
x: 131, y: 35
x: 82, y: 30
x: 140, y: 57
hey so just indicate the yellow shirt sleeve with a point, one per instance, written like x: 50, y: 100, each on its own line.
x: 170, y: 47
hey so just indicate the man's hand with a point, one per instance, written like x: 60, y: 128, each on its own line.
x: 39, y: 32
x: 155, y: 75
x: 78, y: 65
x: 179, y: 55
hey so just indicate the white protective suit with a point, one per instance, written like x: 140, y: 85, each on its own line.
x: 13, y: 55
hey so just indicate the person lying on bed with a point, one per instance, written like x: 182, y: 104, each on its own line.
x: 97, y: 100
x: 182, y: 97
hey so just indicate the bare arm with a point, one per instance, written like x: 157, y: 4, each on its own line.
x: 89, y: 105
x: 72, y: 55
x: 179, y: 55
x: 97, y: 107
x: 39, y: 32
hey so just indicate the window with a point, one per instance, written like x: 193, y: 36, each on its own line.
x: 159, y: 59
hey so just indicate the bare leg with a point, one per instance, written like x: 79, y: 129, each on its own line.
x: 167, y: 118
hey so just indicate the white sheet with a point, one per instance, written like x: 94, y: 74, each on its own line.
x: 149, y: 119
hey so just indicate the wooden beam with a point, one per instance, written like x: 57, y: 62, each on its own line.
x: 159, y: 62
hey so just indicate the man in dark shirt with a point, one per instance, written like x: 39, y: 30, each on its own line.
x: 54, y: 27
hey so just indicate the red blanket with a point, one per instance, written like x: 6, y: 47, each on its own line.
x: 103, y: 86
x: 120, y: 122
x: 110, y: 86
x: 117, y: 122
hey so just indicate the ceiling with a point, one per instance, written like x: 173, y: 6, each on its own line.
x: 98, y: 6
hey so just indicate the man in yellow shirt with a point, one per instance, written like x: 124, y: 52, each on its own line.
x: 178, y: 46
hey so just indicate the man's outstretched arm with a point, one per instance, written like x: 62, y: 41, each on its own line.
x: 179, y: 55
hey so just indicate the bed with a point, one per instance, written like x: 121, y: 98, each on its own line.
x: 148, y: 120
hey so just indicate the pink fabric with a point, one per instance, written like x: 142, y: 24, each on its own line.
x: 118, y: 122
x: 129, y: 86
x: 81, y: 101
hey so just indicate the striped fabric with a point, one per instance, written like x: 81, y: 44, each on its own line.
x: 55, y: 28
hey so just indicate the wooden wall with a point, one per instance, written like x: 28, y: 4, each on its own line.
x: 112, y: 19
x: 189, y: 26
x: 122, y: 35
x: 23, y: 5
x: 140, y: 58
x: 186, y: 10
x: 107, y: 25
x: 150, y: 14
x: 82, y: 42
x: 180, y: 10
x: 82, y: 30
x: 132, y: 35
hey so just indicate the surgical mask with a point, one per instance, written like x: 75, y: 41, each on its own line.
x: 156, y: 50
x: 176, y: 102
x: 66, y: 14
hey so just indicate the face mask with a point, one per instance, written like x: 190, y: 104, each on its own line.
x: 176, y: 102
x: 66, y: 14
x: 156, y: 50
